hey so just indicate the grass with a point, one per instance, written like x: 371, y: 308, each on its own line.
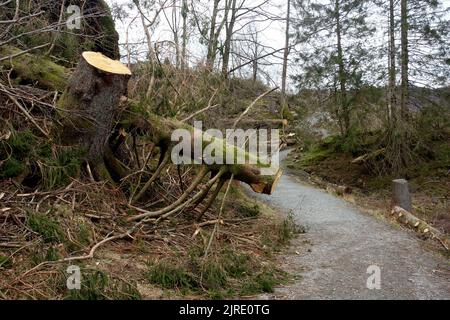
x: 5, y: 262
x: 249, y: 210
x: 264, y: 282
x: 23, y: 150
x: 227, y: 272
x: 97, y: 285
x: 221, y: 275
x: 47, y: 227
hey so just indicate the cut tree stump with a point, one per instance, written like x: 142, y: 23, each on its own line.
x: 93, y: 99
x: 400, y: 194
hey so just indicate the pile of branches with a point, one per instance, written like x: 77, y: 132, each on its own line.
x: 62, y: 211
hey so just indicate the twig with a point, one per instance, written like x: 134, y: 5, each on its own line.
x: 25, y: 112
x: 15, y: 55
x: 219, y: 217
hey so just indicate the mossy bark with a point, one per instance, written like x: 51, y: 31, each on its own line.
x: 158, y: 130
x: 92, y: 105
x: 34, y: 69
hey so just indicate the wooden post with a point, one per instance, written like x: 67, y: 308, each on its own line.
x: 400, y: 194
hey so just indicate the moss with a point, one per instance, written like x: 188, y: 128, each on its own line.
x: 34, y: 69
x: 315, y: 155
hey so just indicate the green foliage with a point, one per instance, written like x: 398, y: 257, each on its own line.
x: 236, y: 265
x: 47, y: 227
x: 247, y: 210
x: 288, y: 229
x: 52, y: 254
x: 12, y: 168
x: 56, y: 171
x: 97, y: 285
x: 5, y: 262
x: 22, y: 143
x: 169, y: 275
x: 219, y: 275
x: 262, y: 282
x: 25, y: 149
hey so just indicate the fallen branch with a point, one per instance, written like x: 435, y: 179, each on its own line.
x: 421, y: 226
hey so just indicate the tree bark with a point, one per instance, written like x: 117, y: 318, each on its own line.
x: 212, y: 41
x: 392, y: 99
x: 342, y: 73
x: 285, y: 57
x: 400, y: 194
x: 229, y: 28
x: 184, y: 15
x: 92, y: 101
x: 421, y: 226
x: 405, y: 59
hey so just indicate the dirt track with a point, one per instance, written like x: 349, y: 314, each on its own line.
x: 342, y: 242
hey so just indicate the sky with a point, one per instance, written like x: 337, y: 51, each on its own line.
x: 271, y: 35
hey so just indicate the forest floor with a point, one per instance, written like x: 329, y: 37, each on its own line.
x: 342, y: 242
x: 168, y: 264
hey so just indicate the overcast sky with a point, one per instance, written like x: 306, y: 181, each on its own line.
x: 271, y: 35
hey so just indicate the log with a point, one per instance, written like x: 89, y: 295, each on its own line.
x: 259, y: 123
x: 159, y: 130
x: 400, y: 194
x: 408, y: 219
x: 33, y: 69
x: 368, y: 156
x: 92, y: 104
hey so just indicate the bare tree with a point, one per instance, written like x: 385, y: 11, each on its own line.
x: 285, y: 57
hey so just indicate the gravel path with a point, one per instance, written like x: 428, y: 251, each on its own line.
x: 342, y: 242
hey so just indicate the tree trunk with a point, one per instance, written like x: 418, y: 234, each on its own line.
x: 421, y: 226
x: 404, y: 56
x: 184, y: 14
x: 92, y: 99
x: 285, y: 58
x: 229, y: 28
x: 212, y: 41
x: 392, y: 100
x: 400, y: 194
x: 342, y: 75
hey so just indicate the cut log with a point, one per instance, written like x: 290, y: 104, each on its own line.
x: 400, y: 194
x: 92, y: 101
x: 407, y: 218
x: 368, y: 156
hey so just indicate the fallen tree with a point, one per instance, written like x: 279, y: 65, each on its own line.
x: 95, y: 116
x: 407, y: 218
